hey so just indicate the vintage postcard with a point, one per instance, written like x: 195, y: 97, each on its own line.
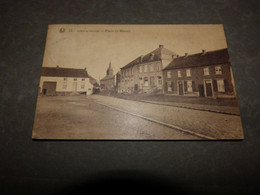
x: 137, y: 82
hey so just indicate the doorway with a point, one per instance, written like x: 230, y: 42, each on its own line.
x: 49, y: 88
x: 180, y: 86
x: 208, y: 88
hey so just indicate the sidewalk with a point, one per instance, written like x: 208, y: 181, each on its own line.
x: 223, y: 106
x: 210, y: 108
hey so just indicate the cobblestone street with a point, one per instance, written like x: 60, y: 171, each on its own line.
x: 210, y: 124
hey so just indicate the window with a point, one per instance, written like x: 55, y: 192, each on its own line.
x: 159, y: 80
x: 189, y: 86
x: 169, y: 86
x: 140, y: 80
x: 188, y: 73
x: 82, y: 83
x: 206, y: 71
x: 140, y: 68
x: 146, y: 81
x: 218, y: 70
x: 145, y: 68
x: 64, y: 86
x: 169, y: 74
x: 151, y: 68
x: 152, y: 81
x: 221, y: 86
x: 179, y: 73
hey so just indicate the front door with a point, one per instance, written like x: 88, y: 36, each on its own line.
x: 180, y: 87
x: 208, y: 87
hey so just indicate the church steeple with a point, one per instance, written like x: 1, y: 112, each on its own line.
x: 110, y: 70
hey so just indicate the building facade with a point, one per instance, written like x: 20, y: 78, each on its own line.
x: 144, y: 74
x: 108, y: 82
x: 64, y: 81
x: 206, y: 74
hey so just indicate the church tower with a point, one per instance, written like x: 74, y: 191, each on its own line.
x: 110, y: 70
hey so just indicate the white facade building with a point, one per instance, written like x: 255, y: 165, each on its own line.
x: 63, y: 81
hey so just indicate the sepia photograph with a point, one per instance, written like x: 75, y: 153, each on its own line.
x: 137, y: 82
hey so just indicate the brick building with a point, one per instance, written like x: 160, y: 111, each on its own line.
x: 206, y: 74
x: 144, y: 74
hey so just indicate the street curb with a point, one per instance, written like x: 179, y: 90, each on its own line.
x: 158, y: 122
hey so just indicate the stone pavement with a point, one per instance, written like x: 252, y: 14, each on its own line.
x: 232, y: 110
x: 211, y: 124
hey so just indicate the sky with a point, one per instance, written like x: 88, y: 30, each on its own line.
x: 94, y: 46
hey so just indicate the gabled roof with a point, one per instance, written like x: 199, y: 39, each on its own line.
x: 157, y: 54
x: 200, y: 59
x: 93, y: 81
x: 64, y: 72
x: 67, y: 72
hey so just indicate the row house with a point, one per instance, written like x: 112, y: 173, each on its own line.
x: 205, y: 74
x: 144, y: 74
x: 64, y: 81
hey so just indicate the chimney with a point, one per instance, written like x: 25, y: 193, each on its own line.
x: 174, y: 56
x: 203, y: 51
x: 85, y: 68
x: 160, y: 46
x: 57, y: 66
x: 186, y: 54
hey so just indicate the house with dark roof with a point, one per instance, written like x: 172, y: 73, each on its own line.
x: 108, y: 82
x: 64, y: 81
x: 144, y: 74
x: 205, y: 74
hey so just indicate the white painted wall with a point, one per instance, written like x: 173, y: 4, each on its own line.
x: 60, y: 81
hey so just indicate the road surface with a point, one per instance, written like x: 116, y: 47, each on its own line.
x: 81, y: 117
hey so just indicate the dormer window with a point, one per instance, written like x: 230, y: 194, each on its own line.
x: 151, y: 56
